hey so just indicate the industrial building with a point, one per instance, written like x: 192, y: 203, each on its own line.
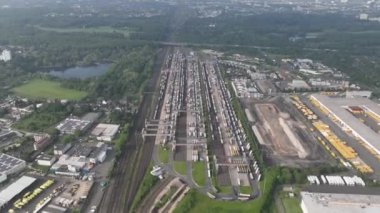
x: 45, y: 160
x: 10, y: 165
x: 6, y: 136
x: 336, y: 203
x: 60, y: 149
x: 72, y: 125
x: 81, y: 157
x: 105, y: 132
x: 244, y: 88
x: 14, y: 189
x: 361, y: 93
x: 340, y: 109
x: 5, y: 55
x: 3, y: 177
x: 41, y: 141
x: 4, y: 133
x: 296, y: 83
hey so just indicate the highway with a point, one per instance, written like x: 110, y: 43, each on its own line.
x: 192, y: 44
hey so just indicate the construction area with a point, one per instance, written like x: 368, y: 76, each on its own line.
x: 284, y: 134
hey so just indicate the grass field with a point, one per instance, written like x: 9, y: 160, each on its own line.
x: 43, y: 89
x: 105, y: 29
x: 148, y: 182
x: 245, y: 189
x: 224, y: 189
x: 199, y: 173
x: 291, y: 205
x: 195, y: 202
x: 180, y: 167
x: 163, y: 154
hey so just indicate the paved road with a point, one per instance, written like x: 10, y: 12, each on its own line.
x: 181, y: 44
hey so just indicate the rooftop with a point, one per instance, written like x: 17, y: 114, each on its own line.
x: 7, y: 162
x: 105, y: 130
x: 80, y: 150
x: 44, y: 157
x: 70, y: 125
x: 337, y: 203
x: 14, y: 189
x: 337, y: 107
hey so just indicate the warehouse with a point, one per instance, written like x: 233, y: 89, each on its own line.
x: 105, y: 132
x: 45, y: 160
x: 10, y: 165
x: 60, y: 149
x: 340, y: 109
x: 336, y: 203
x: 14, y: 189
x: 41, y: 141
x: 72, y: 125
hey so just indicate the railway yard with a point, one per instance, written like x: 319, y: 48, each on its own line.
x: 207, y: 146
x: 200, y: 140
x: 191, y: 133
x: 172, y: 106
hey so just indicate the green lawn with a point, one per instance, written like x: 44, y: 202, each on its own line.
x: 180, y: 167
x: 104, y: 29
x: 291, y: 205
x: 245, y: 189
x: 199, y: 173
x: 224, y: 189
x: 47, y: 90
x: 163, y: 154
x: 199, y: 203
x: 148, y: 182
x: 43, y: 169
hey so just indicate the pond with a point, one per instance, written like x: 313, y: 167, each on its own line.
x: 81, y: 72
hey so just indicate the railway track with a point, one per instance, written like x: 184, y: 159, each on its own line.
x: 148, y: 202
x: 136, y: 156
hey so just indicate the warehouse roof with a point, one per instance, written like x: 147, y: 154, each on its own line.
x: 337, y: 203
x: 105, y: 130
x: 70, y: 125
x: 14, y: 189
x: 337, y: 105
x: 7, y: 162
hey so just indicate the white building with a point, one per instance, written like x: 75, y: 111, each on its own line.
x: 361, y: 93
x: 337, y: 203
x: 3, y: 177
x: 74, y: 164
x: 363, y: 16
x: 5, y: 55
x: 298, y: 84
x: 100, y: 153
x: 45, y: 160
x: 105, y: 132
